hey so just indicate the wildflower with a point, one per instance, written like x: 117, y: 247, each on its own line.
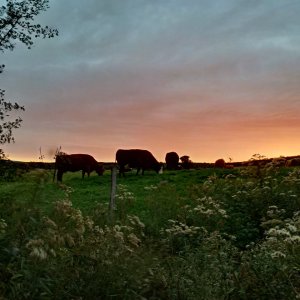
x: 230, y: 176
x: 293, y: 239
x: 117, y: 227
x: 279, y: 232
x: 69, y: 240
x: 223, y: 213
x: 89, y: 223
x: 150, y: 188
x: 266, y: 188
x: 37, y: 249
x: 134, y: 240
x: 119, y: 235
x: 3, y: 225
x: 39, y: 253
x: 292, y: 228
x: 278, y: 254
x: 134, y: 220
x: 50, y: 222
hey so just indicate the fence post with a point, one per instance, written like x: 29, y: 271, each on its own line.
x: 112, y: 204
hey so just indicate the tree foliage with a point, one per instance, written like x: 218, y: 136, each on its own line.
x: 17, y: 24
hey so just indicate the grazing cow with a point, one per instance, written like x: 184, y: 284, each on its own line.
x: 279, y: 162
x: 294, y: 162
x: 186, y: 163
x: 220, y: 163
x: 76, y: 162
x: 172, y: 160
x: 136, y: 158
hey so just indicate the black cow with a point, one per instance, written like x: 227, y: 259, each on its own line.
x: 76, y: 162
x: 136, y: 158
x: 172, y: 160
x: 220, y: 163
x: 186, y: 163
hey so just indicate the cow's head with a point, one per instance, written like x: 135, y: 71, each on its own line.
x: 100, y: 169
x: 159, y: 168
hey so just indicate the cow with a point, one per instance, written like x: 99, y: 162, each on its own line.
x: 76, y: 162
x: 220, y: 163
x: 186, y: 163
x: 172, y: 160
x: 294, y: 162
x: 137, y: 158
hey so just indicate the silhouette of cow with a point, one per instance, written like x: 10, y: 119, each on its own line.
x: 172, y: 160
x: 137, y: 158
x: 220, y: 163
x: 76, y: 162
x: 186, y: 163
x: 294, y: 162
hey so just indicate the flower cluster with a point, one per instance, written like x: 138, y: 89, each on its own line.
x: 123, y: 194
x: 287, y: 232
x: 180, y: 229
x: 151, y: 187
x: 39, y: 249
x: 3, y: 226
x: 209, y: 207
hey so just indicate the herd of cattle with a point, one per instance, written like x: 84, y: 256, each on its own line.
x: 141, y: 160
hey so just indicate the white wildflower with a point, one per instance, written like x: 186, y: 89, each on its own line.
x: 150, y: 188
x: 293, y: 239
x: 119, y: 235
x: 3, y: 226
x: 135, y: 220
x: 50, y: 222
x: 134, y: 240
x: 277, y: 254
x: 291, y: 228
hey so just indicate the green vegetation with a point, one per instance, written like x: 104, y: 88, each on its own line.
x: 190, y: 234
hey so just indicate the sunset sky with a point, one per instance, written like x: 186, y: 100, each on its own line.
x: 208, y: 79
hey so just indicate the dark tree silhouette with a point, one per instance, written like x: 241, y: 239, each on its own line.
x: 17, y: 24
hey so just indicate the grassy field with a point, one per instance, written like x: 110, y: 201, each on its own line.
x: 189, y: 234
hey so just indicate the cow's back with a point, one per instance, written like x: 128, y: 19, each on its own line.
x: 76, y: 162
x: 133, y: 157
x: 82, y: 160
x: 136, y: 158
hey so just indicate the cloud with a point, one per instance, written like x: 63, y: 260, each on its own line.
x: 127, y: 73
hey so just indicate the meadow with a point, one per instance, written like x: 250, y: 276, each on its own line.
x: 191, y: 234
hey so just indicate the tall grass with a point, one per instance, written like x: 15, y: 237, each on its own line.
x: 197, y: 234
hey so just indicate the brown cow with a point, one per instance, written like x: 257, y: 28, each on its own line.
x: 76, y: 162
x: 294, y: 162
x: 137, y: 158
x: 186, y: 163
x: 220, y: 163
x: 172, y: 160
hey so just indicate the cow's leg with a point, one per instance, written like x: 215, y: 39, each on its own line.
x: 122, y: 171
x: 83, y: 172
x: 137, y: 171
x: 59, y: 175
x: 54, y: 175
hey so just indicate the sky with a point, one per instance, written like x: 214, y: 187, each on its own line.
x: 207, y: 79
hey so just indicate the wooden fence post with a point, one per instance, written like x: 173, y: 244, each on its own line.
x: 112, y: 202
